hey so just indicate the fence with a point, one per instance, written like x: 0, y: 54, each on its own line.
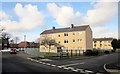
x: 32, y: 51
x: 73, y: 52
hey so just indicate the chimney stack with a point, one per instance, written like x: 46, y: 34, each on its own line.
x: 53, y: 28
x: 72, y: 25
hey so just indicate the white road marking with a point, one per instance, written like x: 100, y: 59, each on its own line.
x: 73, y: 64
x: 43, y: 63
x: 40, y: 62
x: 88, y: 71
x: 70, y: 68
x: 48, y: 64
x: 75, y: 70
x: 53, y: 65
x: 60, y: 66
x: 66, y: 68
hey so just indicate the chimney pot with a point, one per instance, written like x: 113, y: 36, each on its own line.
x: 72, y: 25
x: 53, y: 28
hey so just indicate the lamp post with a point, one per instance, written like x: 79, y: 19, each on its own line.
x: 25, y: 41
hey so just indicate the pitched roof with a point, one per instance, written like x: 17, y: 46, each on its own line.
x: 68, y: 29
x: 102, y: 39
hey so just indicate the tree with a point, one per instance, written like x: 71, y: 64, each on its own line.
x: 48, y: 43
x: 4, y: 36
x: 114, y: 44
x: 118, y: 42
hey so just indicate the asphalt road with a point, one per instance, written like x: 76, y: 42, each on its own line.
x: 12, y: 63
x: 95, y: 64
x: 20, y: 63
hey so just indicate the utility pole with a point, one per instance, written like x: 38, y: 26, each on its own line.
x: 25, y: 41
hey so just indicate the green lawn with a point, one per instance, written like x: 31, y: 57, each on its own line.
x: 50, y: 54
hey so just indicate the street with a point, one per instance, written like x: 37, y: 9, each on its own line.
x: 20, y: 63
x: 16, y: 63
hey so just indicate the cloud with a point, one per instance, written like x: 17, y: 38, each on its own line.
x: 102, y: 13
x: 29, y: 18
x: 64, y: 15
x: 104, y: 32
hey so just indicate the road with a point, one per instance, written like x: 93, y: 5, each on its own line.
x: 95, y: 64
x: 18, y: 63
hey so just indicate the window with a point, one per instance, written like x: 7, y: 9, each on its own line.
x: 73, y: 40
x: 73, y: 33
x: 94, y: 41
x: 65, y: 34
x: 58, y: 41
x: 65, y: 41
x: 58, y: 35
x: 94, y: 45
x: 79, y: 40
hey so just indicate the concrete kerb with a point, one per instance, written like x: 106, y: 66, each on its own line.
x: 111, y: 71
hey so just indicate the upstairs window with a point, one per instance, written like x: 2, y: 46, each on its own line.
x: 65, y: 34
x: 73, y: 40
x: 58, y: 35
x: 65, y: 41
x: 73, y: 33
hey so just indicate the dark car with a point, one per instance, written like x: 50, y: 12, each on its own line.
x: 13, y: 51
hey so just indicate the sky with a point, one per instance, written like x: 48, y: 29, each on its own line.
x: 32, y: 18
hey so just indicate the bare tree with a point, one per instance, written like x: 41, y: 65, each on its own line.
x: 4, y: 36
x: 48, y: 43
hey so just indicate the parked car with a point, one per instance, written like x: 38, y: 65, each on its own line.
x: 13, y: 51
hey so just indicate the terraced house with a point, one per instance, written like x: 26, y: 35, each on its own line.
x: 102, y: 43
x: 70, y: 38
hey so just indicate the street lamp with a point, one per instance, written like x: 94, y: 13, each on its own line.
x: 25, y: 41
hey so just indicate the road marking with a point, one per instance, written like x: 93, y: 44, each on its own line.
x: 48, y: 64
x: 70, y: 68
x: 43, y: 63
x: 73, y: 64
x: 60, y: 66
x: 74, y: 70
x: 66, y: 68
x: 53, y: 65
x: 88, y: 71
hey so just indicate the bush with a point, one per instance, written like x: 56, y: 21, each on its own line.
x: 112, y: 50
x: 88, y: 53
x: 91, y: 52
x: 95, y: 53
x: 106, y: 52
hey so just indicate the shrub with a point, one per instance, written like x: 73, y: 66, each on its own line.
x: 112, y: 50
x: 91, y: 52
x: 88, y: 53
x: 106, y: 52
x: 95, y: 52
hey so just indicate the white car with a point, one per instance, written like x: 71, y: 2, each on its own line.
x: 5, y: 50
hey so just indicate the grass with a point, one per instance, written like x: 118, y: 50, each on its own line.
x: 50, y: 54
